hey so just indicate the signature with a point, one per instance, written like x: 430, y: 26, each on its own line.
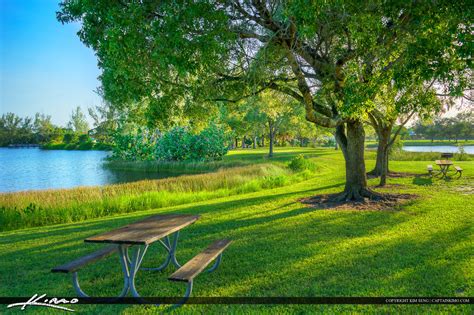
x: 40, y: 300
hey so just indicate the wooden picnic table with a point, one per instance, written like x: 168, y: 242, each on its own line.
x: 140, y: 235
x: 443, y: 166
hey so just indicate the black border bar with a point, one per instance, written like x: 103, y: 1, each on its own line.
x: 256, y: 300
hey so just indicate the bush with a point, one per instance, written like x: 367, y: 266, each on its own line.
x: 461, y: 155
x: 175, y: 145
x: 139, y: 146
x: 330, y: 142
x: 84, y: 138
x: 210, y: 144
x: 70, y: 146
x: 300, y: 163
x: 85, y: 145
x: 104, y: 146
x: 69, y: 138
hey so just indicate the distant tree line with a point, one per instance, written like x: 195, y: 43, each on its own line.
x: 28, y: 130
x: 460, y: 127
x: 40, y: 130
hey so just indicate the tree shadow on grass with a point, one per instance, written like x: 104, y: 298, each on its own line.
x: 422, y: 180
x: 264, y: 241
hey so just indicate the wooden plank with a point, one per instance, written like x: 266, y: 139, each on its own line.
x: 459, y: 169
x: 444, y: 162
x: 146, y: 231
x: 85, y: 260
x: 197, y: 264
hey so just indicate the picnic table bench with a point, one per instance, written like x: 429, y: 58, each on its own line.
x: 139, y: 236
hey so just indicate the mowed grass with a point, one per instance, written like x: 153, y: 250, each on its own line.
x: 281, y: 248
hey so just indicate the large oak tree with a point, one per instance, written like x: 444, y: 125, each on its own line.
x: 179, y: 57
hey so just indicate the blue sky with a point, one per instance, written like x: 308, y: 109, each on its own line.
x: 44, y: 67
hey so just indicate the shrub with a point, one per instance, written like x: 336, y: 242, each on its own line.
x: 210, y: 144
x: 70, y: 146
x: 461, y: 155
x: 104, y: 146
x: 329, y: 142
x: 139, y: 146
x: 84, y: 138
x: 175, y: 145
x: 69, y: 138
x: 85, y: 145
x: 300, y: 163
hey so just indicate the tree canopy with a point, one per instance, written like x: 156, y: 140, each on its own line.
x: 180, y: 58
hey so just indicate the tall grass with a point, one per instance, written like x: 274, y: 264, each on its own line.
x: 38, y: 208
x: 174, y: 167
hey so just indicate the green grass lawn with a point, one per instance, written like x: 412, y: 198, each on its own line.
x: 281, y: 247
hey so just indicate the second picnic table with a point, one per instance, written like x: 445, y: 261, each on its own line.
x: 444, y: 166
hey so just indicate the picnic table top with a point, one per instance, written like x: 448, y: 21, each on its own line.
x: 146, y: 231
x: 444, y: 162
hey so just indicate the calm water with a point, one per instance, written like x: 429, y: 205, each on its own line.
x: 27, y: 169
x: 442, y: 148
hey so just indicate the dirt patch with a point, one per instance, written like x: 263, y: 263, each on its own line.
x: 390, y: 202
x: 465, y: 190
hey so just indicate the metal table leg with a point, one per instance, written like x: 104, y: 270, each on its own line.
x: 130, y: 270
x: 123, y: 252
x: 131, y: 267
x: 171, y: 256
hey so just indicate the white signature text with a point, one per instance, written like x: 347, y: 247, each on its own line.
x: 41, y: 300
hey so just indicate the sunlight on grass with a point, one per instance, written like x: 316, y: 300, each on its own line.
x: 281, y: 248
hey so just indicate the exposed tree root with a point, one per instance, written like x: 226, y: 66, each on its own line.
x: 359, y: 195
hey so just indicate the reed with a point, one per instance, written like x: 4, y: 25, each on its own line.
x: 38, y: 208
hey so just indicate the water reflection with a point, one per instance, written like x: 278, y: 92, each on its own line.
x: 440, y: 148
x: 32, y: 169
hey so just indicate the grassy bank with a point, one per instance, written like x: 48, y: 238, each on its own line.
x: 37, y: 208
x: 280, y: 248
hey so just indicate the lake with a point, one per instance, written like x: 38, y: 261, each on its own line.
x: 440, y: 148
x: 32, y: 169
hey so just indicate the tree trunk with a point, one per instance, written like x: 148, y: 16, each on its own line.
x: 352, y: 146
x: 243, y: 142
x: 383, y: 175
x: 254, y: 142
x: 381, y: 164
x: 263, y: 140
x: 271, y: 136
x: 236, y: 143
